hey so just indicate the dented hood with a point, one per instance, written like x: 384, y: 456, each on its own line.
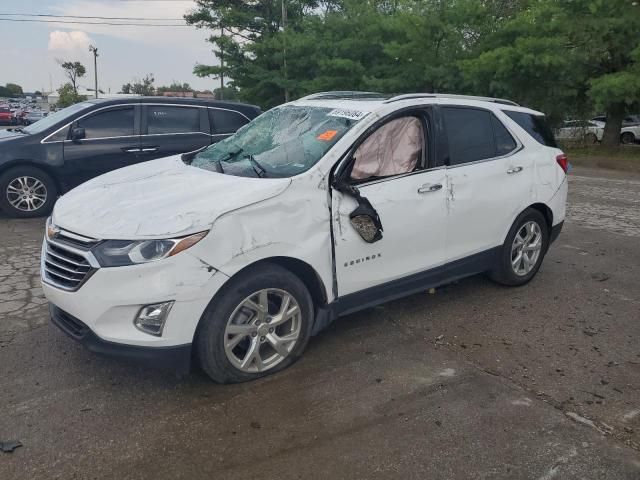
x: 158, y: 199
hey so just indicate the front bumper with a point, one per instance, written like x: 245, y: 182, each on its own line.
x: 110, y: 299
x: 175, y: 358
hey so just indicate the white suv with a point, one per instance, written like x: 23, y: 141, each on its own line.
x: 236, y: 254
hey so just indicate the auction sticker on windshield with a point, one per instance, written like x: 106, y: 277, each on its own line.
x: 345, y: 113
x: 327, y: 136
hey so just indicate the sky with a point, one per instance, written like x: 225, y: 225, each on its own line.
x: 29, y: 52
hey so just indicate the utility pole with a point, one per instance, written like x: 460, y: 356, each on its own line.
x: 94, y: 50
x: 221, y: 64
x: 284, y: 49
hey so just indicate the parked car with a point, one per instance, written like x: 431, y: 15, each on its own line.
x: 75, y: 144
x: 5, y: 116
x: 630, y: 132
x: 33, y: 117
x: 580, y: 130
x: 237, y: 254
x: 628, y: 120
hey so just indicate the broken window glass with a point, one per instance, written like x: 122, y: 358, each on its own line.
x: 282, y: 142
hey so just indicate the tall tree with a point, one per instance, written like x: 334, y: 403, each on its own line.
x: 566, y: 58
x: 240, y: 30
x: 73, y: 70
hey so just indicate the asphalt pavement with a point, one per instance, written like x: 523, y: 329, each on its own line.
x: 472, y: 381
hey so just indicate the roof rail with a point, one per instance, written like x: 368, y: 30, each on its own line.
x: 342, y: 94
x: 409, y: 96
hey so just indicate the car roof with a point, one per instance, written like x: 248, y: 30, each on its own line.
x: 375, y: 102
x: 206, y: 102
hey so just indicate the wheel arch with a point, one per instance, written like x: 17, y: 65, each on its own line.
x: 33, y: 164
x: 301, y: 269
x: 545, y: 211
x: 622, y: 135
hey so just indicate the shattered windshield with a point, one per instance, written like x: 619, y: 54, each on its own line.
x: 282, y: 142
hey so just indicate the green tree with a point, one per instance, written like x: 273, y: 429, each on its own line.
x: 566, y: 58
x: 14, y: 89
x: 74, y: 71
x: 249, y: 43
x: 226, y: 93
x: 68, y: 96
x: 140, y: 87
x: 175, y: 87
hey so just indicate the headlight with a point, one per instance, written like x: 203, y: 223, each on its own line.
x: 116, y: 253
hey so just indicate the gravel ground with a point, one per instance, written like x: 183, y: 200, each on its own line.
x: 474, y: 381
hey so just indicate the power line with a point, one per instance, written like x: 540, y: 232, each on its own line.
x: 94, y: 23
x: 83, y: 16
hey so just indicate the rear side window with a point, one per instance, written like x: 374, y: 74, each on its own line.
x: 225, y: 121
x: 534, y: 125
x: 470, y: 134
x: 164, y: 119
x: 504, y: 141
x: 111, y: 123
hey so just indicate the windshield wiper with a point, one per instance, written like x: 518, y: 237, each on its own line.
x: 18, y: 129
x: 259, y: 169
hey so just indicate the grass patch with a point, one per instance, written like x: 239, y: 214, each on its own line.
x: 623, y: 157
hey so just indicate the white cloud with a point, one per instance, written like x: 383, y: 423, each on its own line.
x: 173, y: 11
x: 68, y: 41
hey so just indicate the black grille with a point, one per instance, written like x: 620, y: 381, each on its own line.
x: 69, y: 324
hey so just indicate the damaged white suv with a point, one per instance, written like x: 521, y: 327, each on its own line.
x: 235, y: 255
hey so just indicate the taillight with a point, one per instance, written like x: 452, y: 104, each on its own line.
x: 563, y: 161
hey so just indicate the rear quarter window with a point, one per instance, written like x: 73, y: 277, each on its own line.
x: 534, y: 125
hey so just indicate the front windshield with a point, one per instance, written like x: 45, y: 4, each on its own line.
x: 53, y: 118
x: 282, y: 142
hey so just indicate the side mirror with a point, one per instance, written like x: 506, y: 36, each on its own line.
x: 77, y: 133
x: 364, y: 219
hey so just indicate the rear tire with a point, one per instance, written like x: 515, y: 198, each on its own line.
x: 27, y: 192
x: 236, y: 342
x: 590, y: 139
x: 628, y: 138
x: 523, y: 250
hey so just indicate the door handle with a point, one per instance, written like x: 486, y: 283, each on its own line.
x: 430, y: 187
x: 130, y: 150
x: 514, y: 170
x: 149, y: 149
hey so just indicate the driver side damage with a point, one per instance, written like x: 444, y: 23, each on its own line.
x: 393, y: 149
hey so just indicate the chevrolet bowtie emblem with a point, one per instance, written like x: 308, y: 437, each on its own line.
x: 52, y: 231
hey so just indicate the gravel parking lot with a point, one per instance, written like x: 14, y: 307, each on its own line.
x: 474, y: 381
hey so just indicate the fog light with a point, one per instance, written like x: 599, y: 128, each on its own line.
x: 151, y: 318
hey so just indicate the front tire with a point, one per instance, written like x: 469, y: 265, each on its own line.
x: 523, y: 250
x: 258, y: 324
x: 27, y: 192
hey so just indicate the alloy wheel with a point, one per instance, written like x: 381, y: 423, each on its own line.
x: 263, y: 330
x: 27, y: 194
x: 526, y: 248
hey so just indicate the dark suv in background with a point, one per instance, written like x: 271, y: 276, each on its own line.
x: 66, y: 148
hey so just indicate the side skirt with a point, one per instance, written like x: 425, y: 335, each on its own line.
x: 370, y: 297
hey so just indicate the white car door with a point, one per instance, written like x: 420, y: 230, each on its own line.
x: 409, y: 199
x: 489, y: 180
